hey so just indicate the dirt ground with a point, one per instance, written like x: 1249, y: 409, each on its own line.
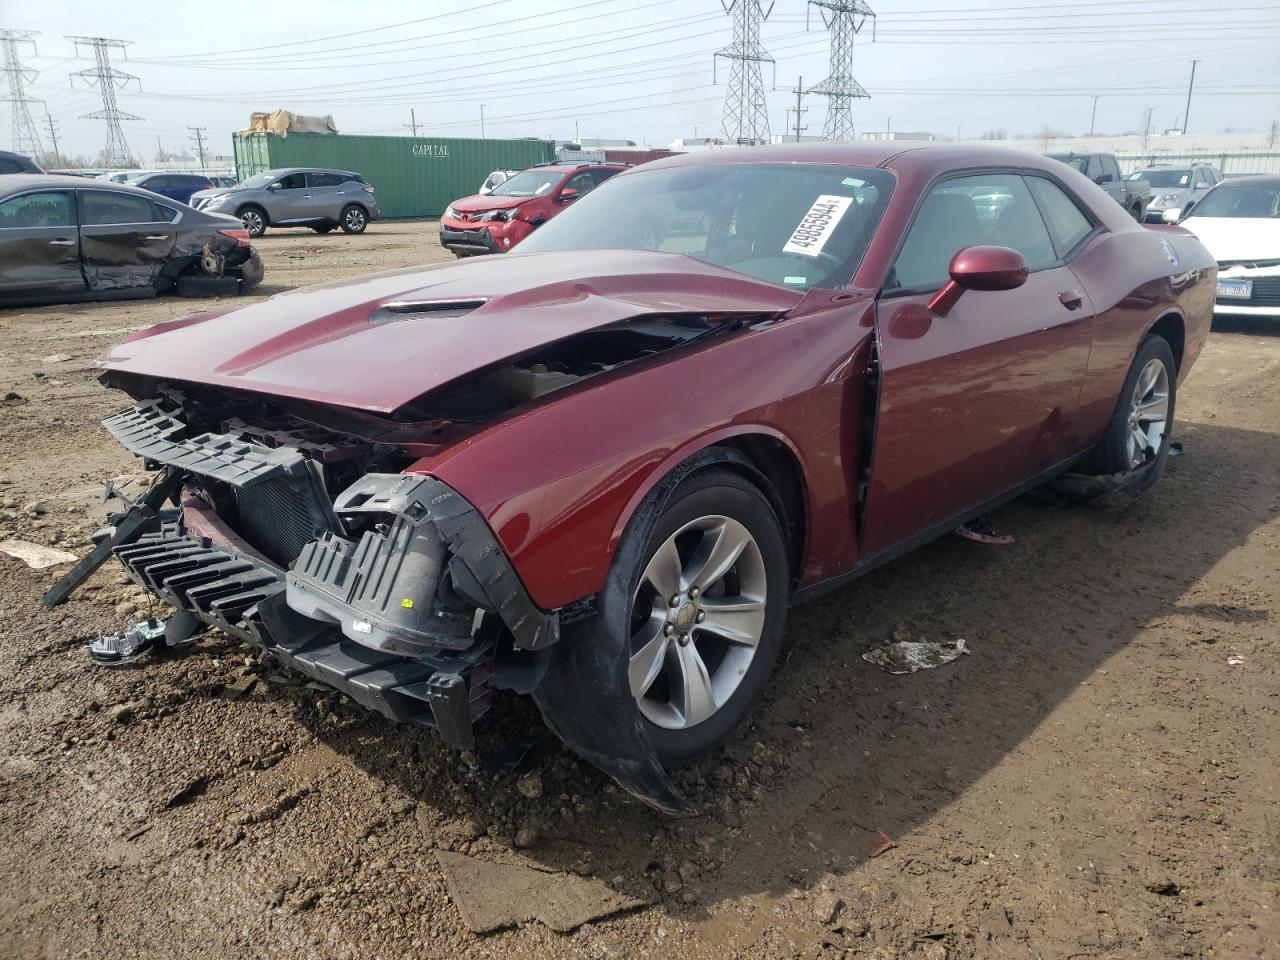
x: 1098, y: 778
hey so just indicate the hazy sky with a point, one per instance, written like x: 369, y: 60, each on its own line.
x: 642, y: 69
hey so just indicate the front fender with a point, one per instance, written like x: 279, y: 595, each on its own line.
x: 558, y: 481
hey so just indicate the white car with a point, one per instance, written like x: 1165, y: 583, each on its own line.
x: 1239, y: 221
x: 495, y: 179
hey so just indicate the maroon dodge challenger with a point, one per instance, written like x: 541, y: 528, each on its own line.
x: 599, y: 469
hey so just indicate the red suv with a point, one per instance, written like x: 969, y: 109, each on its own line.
x: 496, y: 222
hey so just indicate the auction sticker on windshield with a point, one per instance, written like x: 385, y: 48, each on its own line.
x: 817, y: 225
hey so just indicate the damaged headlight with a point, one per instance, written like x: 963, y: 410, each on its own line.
x: 451, y: 213
x: 501, y: 216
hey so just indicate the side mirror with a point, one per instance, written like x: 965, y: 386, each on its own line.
x: 567, y: 194
x: 274, y: 186
x: 980, y: 268
x: 1102, y: 178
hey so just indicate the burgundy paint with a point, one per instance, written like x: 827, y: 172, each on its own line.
x: 1009, y: 384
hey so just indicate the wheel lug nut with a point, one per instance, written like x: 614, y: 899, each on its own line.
x: 693, y: 593
x: 669, y: 629
x: 675, y: 600
x: 702, y: 615
x: 684, y: 640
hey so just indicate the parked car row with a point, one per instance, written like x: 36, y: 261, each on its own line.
x: 139, y: 233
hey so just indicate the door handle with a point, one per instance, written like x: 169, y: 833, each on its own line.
x: 157, y: 236
x: 62, y: 243
x: 1071, y: 299
x: 306, y: 196
x: 341, y: 192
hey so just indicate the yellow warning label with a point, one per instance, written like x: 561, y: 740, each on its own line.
x: 407, y: 603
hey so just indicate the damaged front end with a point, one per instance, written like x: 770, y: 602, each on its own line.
x: 356, y: 591
x: 297, y: 527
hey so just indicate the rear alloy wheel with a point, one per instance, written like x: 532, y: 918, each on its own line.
x: 254, y: 220
x: 353, y: 219
x: 1141, y: 426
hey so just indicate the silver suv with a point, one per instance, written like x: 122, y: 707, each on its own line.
x: 1173, y: 187
x: 295, y: 197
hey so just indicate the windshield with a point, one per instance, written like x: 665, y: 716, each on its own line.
x: 259, y: 180
x: 530, y: 183
x: 1243, y: 200
x: 1076, y: 163
x: 795, y: 225
x: 1163, y: 178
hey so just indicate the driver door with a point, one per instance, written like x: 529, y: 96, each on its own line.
x: 983, y: 399
x: 289, y: 198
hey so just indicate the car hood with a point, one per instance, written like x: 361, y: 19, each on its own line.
x: 486, y: 202
x: 1237, y: 238
x: 361, y: 343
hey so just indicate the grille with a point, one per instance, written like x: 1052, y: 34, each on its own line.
x: 278, y: 518
x: 1266, y: 293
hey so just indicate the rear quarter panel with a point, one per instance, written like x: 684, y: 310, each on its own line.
x: 559, y: 481
x: 1133, y: 283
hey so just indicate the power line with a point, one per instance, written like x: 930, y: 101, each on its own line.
x: 107, y: 79
x: 746, y: 115
x: 25, y: 136
x: 843, y: 20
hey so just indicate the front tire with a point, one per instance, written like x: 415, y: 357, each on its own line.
x: 254, y: 220
x: 1141, y: 427
x: 353, y: 219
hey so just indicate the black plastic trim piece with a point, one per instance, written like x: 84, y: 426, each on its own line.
x: 384, y: 590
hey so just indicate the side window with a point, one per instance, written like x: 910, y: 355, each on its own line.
x: 1110, y: 169
x: 581, y: 183
x: 1203, y: 178
x: 293, y: 181
x: 158, y: 183
x: 10, y: 166
x: 325, y: 179
x: 600, y: 176
x: 990, y: 208
x: 101, y: 208
x: 164, y: 214
x: 1067, y: 224
x: 49, y: 209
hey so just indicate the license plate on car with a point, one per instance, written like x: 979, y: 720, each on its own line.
x: 1241, y: 289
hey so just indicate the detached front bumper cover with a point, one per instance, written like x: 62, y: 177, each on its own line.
x: 387, y: 590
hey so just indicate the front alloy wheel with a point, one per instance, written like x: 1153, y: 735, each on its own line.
x: 254, y: 222
x: 698, y: 615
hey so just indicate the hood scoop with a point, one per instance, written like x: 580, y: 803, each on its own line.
x: 415, y: 309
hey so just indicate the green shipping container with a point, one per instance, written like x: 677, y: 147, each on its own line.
x: 413, y: 176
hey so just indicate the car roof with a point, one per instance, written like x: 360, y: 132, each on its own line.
x: 1266, y: 179
x: 284, y: 170
x: 926, y: 159
x: 19, y: 182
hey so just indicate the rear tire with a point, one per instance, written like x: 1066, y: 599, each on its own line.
x: 254, y: 220
x: 353, y: 219
x: 1141, y: 427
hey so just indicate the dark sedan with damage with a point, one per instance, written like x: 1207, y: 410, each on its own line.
x: 65, y: 238
x: 599, y: 469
